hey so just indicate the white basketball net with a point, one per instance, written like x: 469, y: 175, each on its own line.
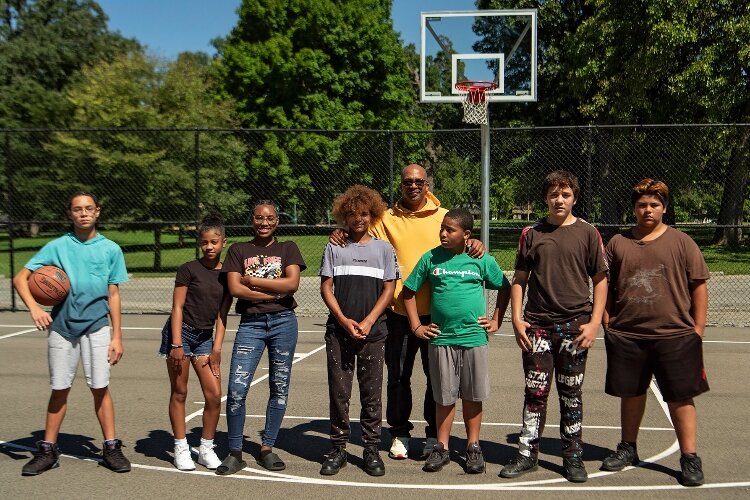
x: 475, y: 112
x: 475, y: 104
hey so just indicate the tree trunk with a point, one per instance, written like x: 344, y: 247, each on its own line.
x: 733, y: 196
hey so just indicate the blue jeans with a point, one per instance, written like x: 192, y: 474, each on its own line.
x: 278, y: 332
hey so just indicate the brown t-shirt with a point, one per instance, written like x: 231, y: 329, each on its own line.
x: 649, y: 284
x: 264, y: 262
x: 206, y: 288
x: 559, y: 260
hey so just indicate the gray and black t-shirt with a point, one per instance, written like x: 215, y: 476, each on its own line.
x: 358, y: 273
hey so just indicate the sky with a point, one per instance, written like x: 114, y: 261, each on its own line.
x: 168, y: 27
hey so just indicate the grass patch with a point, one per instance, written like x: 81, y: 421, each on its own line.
x: 139, y: 249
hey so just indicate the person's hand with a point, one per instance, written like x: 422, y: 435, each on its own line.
x: 40, y: 317
x: 520, y: 327
x: 427, y: 331
x: 588, y: 335
x: 352, y: 328
x: 176, y: 356
x: 475, y: 248
x: 115, y: 351
x: 364, y: 327
x: 214, y: 363
x: 489, y: 325
x: 338, y: 237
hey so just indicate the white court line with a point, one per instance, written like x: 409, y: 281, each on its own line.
x: 18, y: 333
x: 520, y: 486
x: 285, y: 478
x: 256, y: 381
x: 490, y: 424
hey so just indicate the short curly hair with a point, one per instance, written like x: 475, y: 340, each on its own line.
x: 358, y: 197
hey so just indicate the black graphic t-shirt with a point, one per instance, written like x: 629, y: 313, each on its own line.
x: 263, y: 262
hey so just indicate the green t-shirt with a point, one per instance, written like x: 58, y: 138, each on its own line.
x: 457, y: 282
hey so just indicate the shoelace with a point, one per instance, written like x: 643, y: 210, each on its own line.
x: 623, y: 454
x: 473, y: 453
x: 691, y: 464
x: 575, y: 462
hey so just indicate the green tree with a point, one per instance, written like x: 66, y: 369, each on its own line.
x: 43, y: 46
x: 150, y: 174
x: 318, y: 64
x: 662, y: 62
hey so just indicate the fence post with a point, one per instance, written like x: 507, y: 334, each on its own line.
x: 390, y: 163
x: 589, y: 176
x: 9, y: 211
x: 197, y: 167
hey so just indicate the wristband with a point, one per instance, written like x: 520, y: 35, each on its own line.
x: 175, y: 346
x: 414, y: 331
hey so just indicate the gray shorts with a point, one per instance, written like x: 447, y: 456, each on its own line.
x: 65, y: 352
x: 459, y: 373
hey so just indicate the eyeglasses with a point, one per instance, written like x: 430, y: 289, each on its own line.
x: 79, y: 210
x: 269, y: 218
x: 417, y: 182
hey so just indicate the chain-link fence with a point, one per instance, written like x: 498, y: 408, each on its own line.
x: 155, y: 184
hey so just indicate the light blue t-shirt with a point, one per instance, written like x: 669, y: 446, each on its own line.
x: 91, y: 267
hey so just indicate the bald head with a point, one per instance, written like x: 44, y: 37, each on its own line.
x: 413, y: 171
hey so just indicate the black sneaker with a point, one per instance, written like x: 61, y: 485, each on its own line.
x: 374, y: 466
x: 520, y: 465
x: 623, y: 456
x: 335, y: 461
x: 475, y: 459
x: 692, y: 470
x: 575, y: 471
x: 438, y: 457
x: 46, y: 457
x: 112, y: 456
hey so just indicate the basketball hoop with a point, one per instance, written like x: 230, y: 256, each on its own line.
x: 475, y: 100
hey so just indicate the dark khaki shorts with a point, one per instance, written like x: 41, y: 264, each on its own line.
x: 676, y: 363
x: 458, y: 373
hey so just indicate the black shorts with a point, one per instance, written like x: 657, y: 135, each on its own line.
x: 676, y: 363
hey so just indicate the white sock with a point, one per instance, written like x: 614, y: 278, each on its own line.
x: 207, y: 443
x: 182, y: 443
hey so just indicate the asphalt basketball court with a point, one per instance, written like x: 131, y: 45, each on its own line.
x: 141, y: 389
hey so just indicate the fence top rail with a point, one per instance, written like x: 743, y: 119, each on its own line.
x: 373, y: 131
x: 188, y: 222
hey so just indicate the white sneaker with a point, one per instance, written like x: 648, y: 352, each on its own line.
x: 428, y: 446
x: 399, y: 448
x: 182, y: 458
x: 207, y: 457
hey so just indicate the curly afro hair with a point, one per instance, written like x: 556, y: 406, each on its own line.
x: 356, y: 198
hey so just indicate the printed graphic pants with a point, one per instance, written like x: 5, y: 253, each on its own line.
x: 553, y: 353
x: 401, y: 349
x: 277, y: 332
x: 342, y: 353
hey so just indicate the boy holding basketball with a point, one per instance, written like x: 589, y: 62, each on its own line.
x: 85, y: 326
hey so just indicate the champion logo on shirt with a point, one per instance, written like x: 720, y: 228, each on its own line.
x: 439, y: 271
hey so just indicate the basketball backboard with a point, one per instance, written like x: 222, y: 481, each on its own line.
x: 486, y: 45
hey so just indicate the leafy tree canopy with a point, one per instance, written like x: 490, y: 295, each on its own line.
x: 329, y: 64
x: 43, y: 45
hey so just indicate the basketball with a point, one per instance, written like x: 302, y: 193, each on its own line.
x: 49, y: 285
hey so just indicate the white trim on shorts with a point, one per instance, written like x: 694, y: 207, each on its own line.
x: 64, y: 353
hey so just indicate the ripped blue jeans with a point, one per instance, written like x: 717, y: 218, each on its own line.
x: 278, y: 332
